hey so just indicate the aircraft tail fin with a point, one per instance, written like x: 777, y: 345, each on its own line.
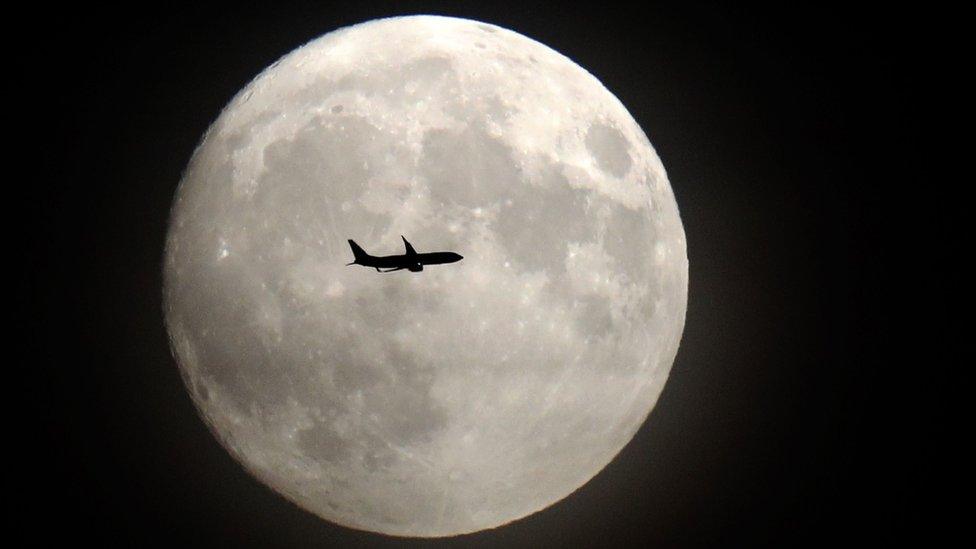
x: 359, y: 253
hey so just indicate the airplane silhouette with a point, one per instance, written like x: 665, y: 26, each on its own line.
x: 411, y: 260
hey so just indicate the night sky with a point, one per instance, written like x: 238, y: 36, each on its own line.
x: 795, y: 412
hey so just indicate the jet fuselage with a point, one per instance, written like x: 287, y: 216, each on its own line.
x: 411, y: 261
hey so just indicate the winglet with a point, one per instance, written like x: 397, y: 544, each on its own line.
x: 410, y: 250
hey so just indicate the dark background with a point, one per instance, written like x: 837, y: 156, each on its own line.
x: 796, y: 412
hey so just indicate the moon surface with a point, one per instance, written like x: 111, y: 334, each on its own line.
x: 467, y: 395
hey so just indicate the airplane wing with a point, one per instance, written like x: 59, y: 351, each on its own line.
x: 390, y: 270
x: 410, y: 250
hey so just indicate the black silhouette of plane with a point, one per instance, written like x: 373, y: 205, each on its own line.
x: 411, y: 260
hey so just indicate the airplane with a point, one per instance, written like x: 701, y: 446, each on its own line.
x: 411, y: 260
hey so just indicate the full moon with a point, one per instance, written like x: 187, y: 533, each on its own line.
x: 464, y: 396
